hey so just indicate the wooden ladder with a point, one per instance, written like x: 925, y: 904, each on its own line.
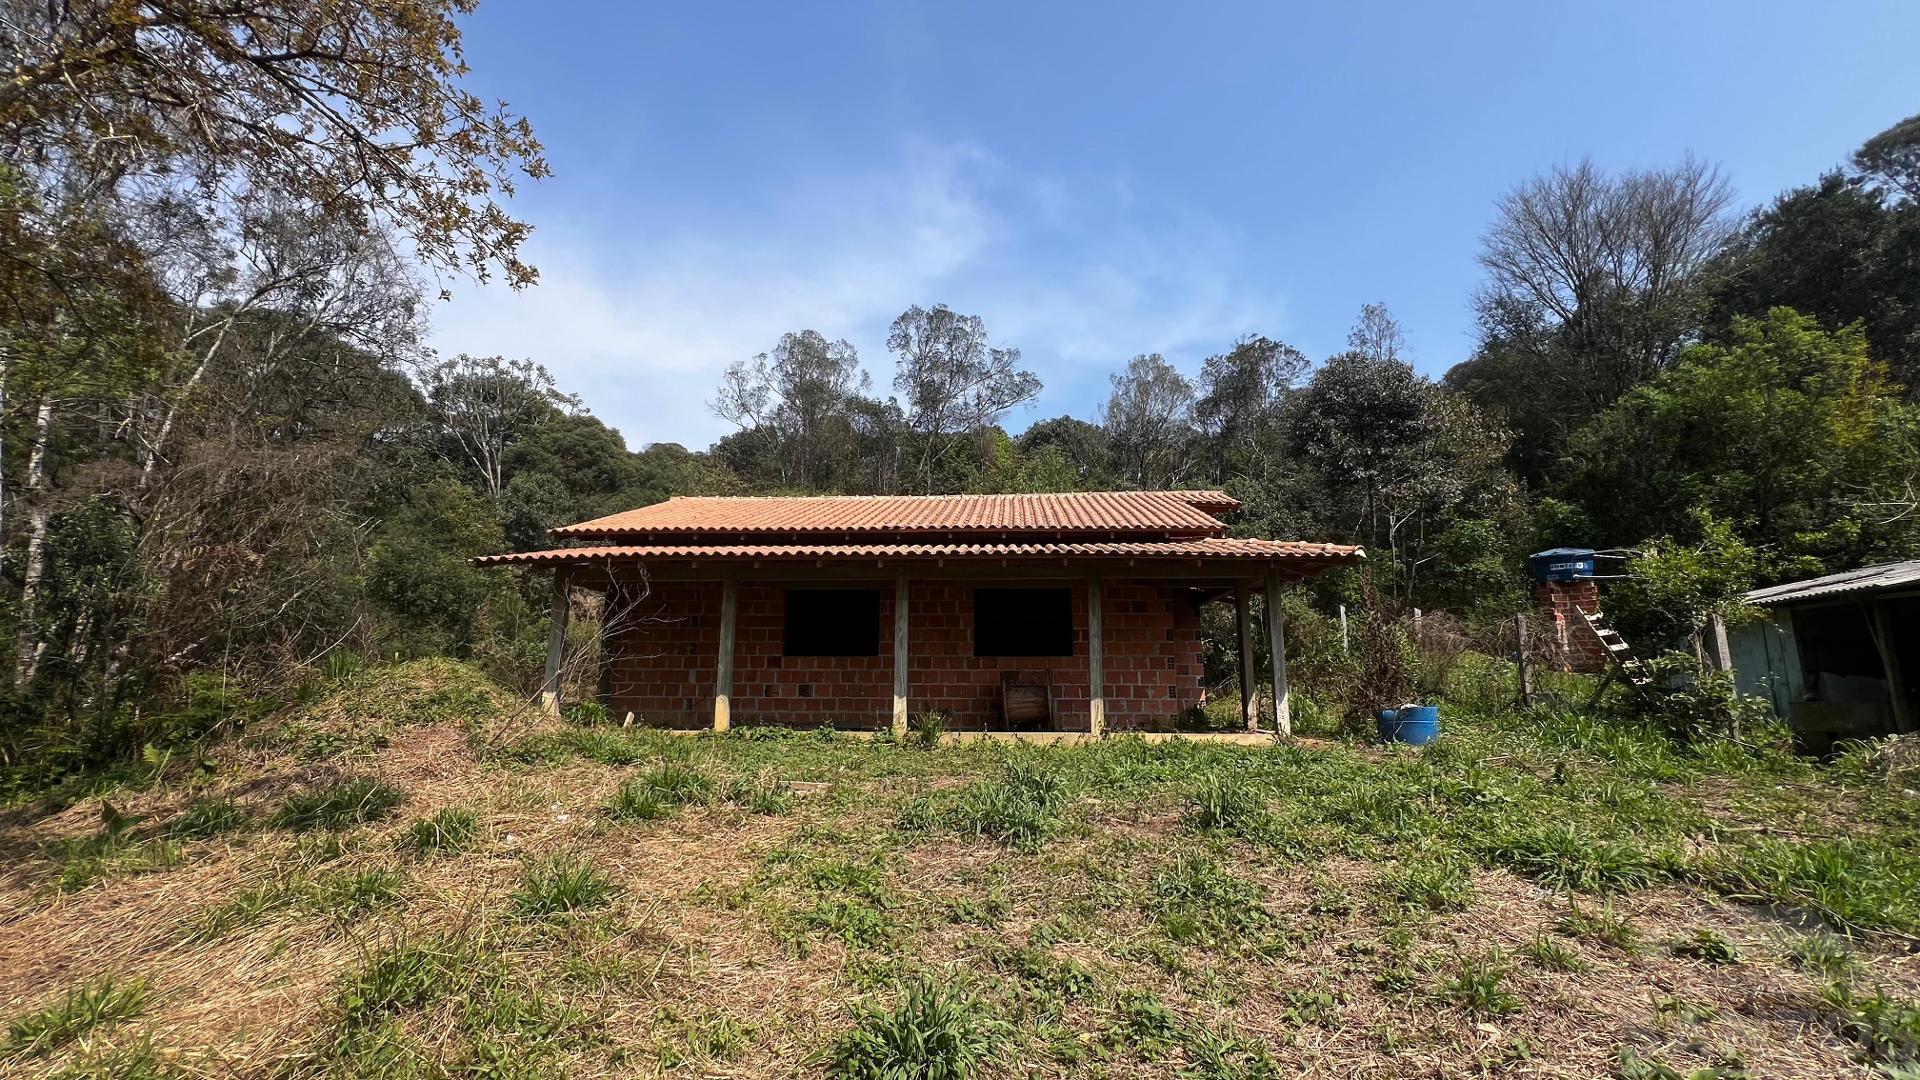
x: 1618, y: 651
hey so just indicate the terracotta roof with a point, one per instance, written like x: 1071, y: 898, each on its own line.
x: 1208, y: 548
x: 1180, y: 513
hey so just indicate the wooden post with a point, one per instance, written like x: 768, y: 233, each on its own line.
x: 1717, y: 651
x: 1277, y: 639
x: 723, y: 663
x: 900, y: 656
x: 1522, y: 637
x: 1243, y: 627
x: 1096, y: 694
x: 556, y: 644
x: 1890, y: 662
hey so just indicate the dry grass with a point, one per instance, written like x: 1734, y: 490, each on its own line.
x: 737, y: 943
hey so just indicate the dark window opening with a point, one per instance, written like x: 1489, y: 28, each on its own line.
x: 832, y: 622
x: 1022, y: 622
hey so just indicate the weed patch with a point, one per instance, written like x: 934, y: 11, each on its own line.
x: 452, y: 829
x: 933, y: 1032
x: 560, y: 885
x: 340, y: 806
x: 80, y: 1010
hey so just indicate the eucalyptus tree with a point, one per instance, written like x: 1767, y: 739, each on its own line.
x: 951, y: 380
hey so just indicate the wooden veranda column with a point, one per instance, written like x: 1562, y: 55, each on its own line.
x: 1243, y: 627
x: 556, y: 644
x: 900, y: 658
x: 723, y: 663
x: 1277, y: 639
x: 1096, y: 693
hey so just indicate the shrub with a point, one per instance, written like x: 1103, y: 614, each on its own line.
x: 559, y: 885
x: 407, y: 977
x: 1605, y: 926
x: 588, y: 714
x: 935, y: 1032
x: 761, y: 794
x: 338, y: 807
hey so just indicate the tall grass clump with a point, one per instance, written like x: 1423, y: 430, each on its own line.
x: 560, y: 885
x: 659, y: 793
x: 934, y: 1032
x: 454, y: 828
x: 1225, y: 803
x: 340, y: 806
x: 80, y: 1010
x: 1020, y: 811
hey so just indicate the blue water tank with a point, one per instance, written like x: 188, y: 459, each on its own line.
x: 1561, y: 564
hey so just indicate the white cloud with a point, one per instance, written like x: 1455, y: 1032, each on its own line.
x: 1075, y: 273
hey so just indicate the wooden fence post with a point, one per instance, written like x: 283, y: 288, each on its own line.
x: 1523, y: 638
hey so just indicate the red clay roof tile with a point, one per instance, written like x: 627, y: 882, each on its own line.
x: 1168, y: 513
x: 1321, y: 555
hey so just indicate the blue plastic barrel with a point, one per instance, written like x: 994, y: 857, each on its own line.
x: 1561, y: 564
x: 1415, y: 725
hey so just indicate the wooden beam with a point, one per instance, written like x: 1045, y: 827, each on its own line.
x: 1890, y: 661
x: 723, y: 663
x: 556, y: 644
x: 1096, y: 693
x: 1243, y: 628
x: 1277, y: 640
x: 900, y: 658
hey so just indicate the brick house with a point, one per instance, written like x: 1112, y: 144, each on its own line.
x: 1064, y: 612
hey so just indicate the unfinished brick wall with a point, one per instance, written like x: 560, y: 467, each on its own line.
x: 662, y: 664
x: 1579, y: 647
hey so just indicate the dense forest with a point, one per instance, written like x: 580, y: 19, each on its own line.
x: 228, y: 455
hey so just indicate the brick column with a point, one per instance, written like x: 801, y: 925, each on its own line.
x: 1563, y: 601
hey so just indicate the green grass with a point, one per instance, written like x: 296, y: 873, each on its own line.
x: 209, y: 817
x: 1477, y: 983
x: 657, y: 794
x: 1429, y: 884
x: 933, y: 1031
x: 1021, y: 809
x: 1603, y: 925
x: 339, y: 806
x: 453, y: 829
x: 343, y: 896
x: 559, y: 885
x: 140, y: 1061
x: 81, y: 1009
x: 1550, y: 955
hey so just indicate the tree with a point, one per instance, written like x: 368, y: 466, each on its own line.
x: 1893, y: 157
x: 951, y: 380
x: 1393, y: 460
x: 803, y: 395
x: 483, y: 405
x: 1594, y: 282
x: 1238, y: 408
x: 1840, y: 251
x: 1149, y: 423
x: 353, y: 109
x: 1792, y: 433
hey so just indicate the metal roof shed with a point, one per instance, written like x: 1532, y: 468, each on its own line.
x: 1839, y: 655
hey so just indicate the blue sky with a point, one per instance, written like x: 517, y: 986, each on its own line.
x: 1097, y: 180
